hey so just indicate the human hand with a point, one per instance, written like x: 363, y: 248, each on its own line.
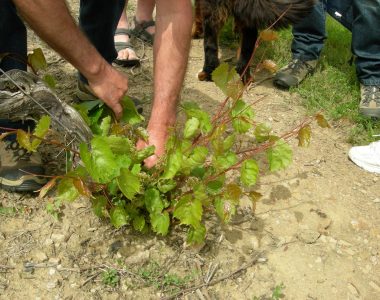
x: 158, y: 136
x: 110, y: 86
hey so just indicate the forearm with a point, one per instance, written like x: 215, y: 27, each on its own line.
x: 51, y: 20
x: 171, y: 50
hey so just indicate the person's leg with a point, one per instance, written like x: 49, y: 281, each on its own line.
x: 144, y: 13
x: 307, y: 44
x: 366, y: 47
x: 144, y: 26
x: 309, y: 35
x: 126, y: 55
x: 366, y: 40
x: 12, y: 38
x: 98, y: 20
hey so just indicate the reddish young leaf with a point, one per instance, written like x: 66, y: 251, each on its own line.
x: 304, y: 136
x: 47, y: 187
x: 322, y: 122
x: 81, y: 187
x: 268, y: 35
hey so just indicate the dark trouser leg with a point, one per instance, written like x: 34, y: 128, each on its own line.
x: 366, y: 40
x: 98, y: 20
x: 12, y: 37
x: 309, y: 35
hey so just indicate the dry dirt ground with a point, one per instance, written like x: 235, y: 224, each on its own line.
x: 315, y: 233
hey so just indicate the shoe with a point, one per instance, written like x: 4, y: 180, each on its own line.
x: 367, y: 157
x: 84, y: 93
x: 125, y: 45
x: 16, y: 164
x: 370, y: 100
x: 140, y: 31
x: 292, y: 74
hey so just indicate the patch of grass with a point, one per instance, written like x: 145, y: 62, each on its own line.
x: 7, y: 211
x: 169, y: 283
x: 111, y: 278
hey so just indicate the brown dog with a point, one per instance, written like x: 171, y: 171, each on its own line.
x: 249, y: 15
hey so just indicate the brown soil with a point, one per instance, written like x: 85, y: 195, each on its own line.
x: 316, y: 230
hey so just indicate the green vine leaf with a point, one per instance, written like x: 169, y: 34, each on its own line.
x: 173, y: 164
x: 145, y: 153
x: 99, y: 205
x: 191, y: 128
x: 188, y: 211
x: 160, y: 222
x: 243, y: 116
x: 139, y: 223
x: 101, y: 163
x: 249, y: 172
x: 193, y: 110
x: 227, y: 79
x: 130, y: 114
x: 196, y: 159
x: 214, y: 187
x: 40, y: 131
x: 23, y: 138
x: 197, y: 235
x: 118, y: 216
x: 165, y: 185
x: 223, y: 162
x: 262, y: 132
x: 279, y: 156
x: 105, y: 126
x: 37, y: 60
x: 129, y: 183
x: 153, y: 202
x: 66, y: 190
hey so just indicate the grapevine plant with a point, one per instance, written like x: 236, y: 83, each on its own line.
x: 206, y: 167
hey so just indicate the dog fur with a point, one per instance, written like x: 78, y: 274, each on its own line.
x: 249, y: 16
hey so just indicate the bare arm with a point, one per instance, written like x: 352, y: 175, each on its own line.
x: 171, y: 52
x: 51, y: 20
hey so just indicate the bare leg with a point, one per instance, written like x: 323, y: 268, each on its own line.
x: 126, y: 53
x: 171, y: 52
x: 144, y: 12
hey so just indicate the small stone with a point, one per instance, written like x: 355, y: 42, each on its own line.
x: 308, y: 236
x: 364, y: 192
x: 377, y: 200
x: 374, y: 286
x: 318, y: 260
x: 48, y: 242
x: 55, y: 260
x: 52, y: 271
x: 92, y: 229
x: 52, y: 284
x: 262, y: 260
x: 40, y: 256
x: 58, y: 237
x: 349, y: 251
x: 139, y: 258
x: 355, y: 225
x: 375, y: 179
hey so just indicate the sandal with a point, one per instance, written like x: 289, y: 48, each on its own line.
x: 140, y: 31
x: 125, y: 45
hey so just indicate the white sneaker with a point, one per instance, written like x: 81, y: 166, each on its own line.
x: 367, y: 157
